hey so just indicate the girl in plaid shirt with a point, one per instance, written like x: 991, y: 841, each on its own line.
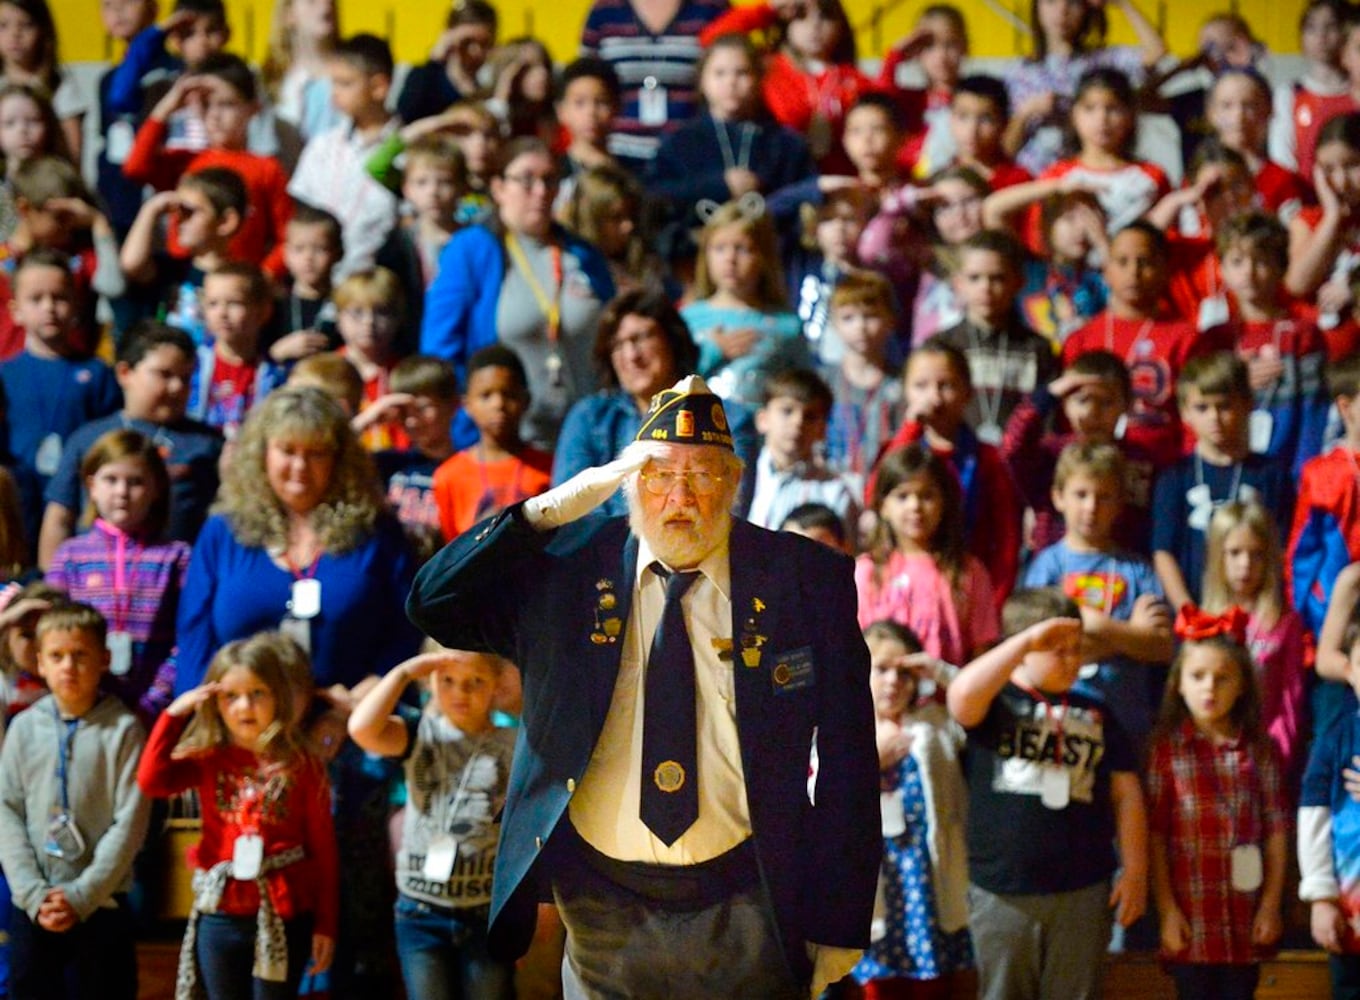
x: 1217, y: 813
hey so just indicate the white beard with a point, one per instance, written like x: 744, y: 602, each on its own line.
x: 679, y: 546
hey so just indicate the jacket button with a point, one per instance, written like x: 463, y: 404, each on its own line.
x: 571, y: 785
x: 538, y: 843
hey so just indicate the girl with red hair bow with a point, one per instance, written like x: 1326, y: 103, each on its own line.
x: 1218, y: 815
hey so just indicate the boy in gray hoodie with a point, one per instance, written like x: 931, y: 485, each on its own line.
x: 71, y: 821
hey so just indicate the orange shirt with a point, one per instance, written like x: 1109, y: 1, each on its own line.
x: 467, y: 490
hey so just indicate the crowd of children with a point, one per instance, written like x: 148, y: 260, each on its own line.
x: 1091, y: 432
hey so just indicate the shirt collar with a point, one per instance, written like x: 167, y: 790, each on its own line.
x: 716, y: 566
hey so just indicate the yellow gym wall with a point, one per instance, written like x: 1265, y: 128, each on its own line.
x: 411, y: 27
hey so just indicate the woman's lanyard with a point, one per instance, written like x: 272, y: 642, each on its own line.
x: 748, y: 134
x: 305, y: 594
x: 549, y: 305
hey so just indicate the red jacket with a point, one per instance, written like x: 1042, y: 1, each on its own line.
x: 269, y: 206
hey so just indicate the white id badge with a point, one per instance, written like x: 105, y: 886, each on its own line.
x: 1055, y: 786
x: 1247, y: 871
x: 119, y: 645
x: 653, y: 103
x: 440, y: 858
x: 48, y: 456
x: 990, y: 433
x: 305, y: 600
x: 299, y: 630
x: 1213, y: 312
x: 247, y: 856
x: 1260, y: 428
x: 1198, y: 518
x: 893, y: 812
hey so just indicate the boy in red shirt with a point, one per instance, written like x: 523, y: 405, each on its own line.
x: 978, y: 114
x: 500, y: 469
x: 1135, y: 327
x: 224, y: 88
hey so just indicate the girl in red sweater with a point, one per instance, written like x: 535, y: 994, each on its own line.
x: 812, y: 77
x: 268, y: 840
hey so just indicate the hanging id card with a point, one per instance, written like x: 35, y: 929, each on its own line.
x: 63, y: 839
x: 119, y: 645
x: 299, y: 630
x: 990, y: 433
x: 1213, y: 312
x: 893, y: 812
x: 1247, y: 870
x: 247, y: 855
x: 1260, y: 429
x: 1055, y: 786
x: 305, y: 601
x: 48, y: 456
x: 440, y: 858
x: 653, y: 103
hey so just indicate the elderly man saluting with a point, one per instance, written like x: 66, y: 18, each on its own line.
x: 681, y: 670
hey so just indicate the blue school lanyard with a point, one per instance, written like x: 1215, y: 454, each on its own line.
x: 64, y: 747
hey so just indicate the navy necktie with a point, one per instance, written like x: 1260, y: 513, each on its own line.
x: 670, y: 767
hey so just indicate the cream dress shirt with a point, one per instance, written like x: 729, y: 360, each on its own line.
x: 605, y: 806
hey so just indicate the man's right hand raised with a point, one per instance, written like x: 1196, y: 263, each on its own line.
x: 582, y: 493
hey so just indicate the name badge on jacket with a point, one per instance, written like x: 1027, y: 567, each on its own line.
x: 793, y: 671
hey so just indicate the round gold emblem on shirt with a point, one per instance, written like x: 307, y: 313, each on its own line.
x: 669, y: 776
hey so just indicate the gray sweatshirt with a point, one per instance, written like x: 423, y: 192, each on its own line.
x: 106, y: 804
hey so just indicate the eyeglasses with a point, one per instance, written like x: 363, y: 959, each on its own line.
x: 660, y: 482
x: 637, y: 340
x: 530, y: 181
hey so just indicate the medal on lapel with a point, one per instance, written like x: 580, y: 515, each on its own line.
x: 608, y: 626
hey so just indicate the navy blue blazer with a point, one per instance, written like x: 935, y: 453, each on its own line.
x: 535, y: 598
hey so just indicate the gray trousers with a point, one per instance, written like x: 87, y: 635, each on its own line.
x: 1032, y: 947
x: 622, y: 946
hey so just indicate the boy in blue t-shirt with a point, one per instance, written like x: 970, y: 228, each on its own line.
x: 1216, y: 403
x: 424, y: 393
x: 1128, y: 626
x: 155, y: 367
x: 48, y: 391
x: 1329, y: 838
x: 1052, y: 768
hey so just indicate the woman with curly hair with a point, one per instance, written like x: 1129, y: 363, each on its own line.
x: 299, y: 541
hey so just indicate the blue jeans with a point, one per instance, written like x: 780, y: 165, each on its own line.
x: 443, y: 953
x: 226, y: 953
